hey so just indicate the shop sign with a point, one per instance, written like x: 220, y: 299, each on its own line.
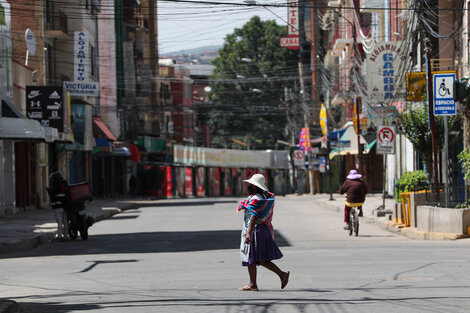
x: 382, y: 71
x: 83, y: 89
x: 45, y: 104
x: 81, y: 56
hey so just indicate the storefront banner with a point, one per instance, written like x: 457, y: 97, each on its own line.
x: 221, y: 157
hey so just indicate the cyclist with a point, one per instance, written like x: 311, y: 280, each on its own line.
x: 355, y: 189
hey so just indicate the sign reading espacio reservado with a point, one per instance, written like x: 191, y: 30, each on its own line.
x: 45, y: 104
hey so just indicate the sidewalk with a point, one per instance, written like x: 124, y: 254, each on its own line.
x: 29, y: 229
x: 372, y: 209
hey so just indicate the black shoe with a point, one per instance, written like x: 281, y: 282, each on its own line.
x: 360, y: 214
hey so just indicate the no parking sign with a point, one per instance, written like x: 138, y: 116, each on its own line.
x: 299, y: 157
x: 386, y: 140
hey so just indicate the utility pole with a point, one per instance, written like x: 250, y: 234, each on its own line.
x: 358, y: 133
x: 304, y: 103
x: 427, y: 50
x: 357, y: 103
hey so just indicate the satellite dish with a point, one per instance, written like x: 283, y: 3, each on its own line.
x: 30, y: 41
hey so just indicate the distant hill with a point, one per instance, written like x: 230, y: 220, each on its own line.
x: 203, y: 55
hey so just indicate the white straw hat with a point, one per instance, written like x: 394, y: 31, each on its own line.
x: 257, y: 180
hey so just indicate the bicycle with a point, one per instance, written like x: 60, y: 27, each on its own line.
x: 354, y: 221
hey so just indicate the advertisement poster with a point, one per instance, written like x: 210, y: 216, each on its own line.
x: 45, y: 104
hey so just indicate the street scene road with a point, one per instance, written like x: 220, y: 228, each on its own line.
x: 181, y: 255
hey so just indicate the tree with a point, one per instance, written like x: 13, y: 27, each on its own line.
x: 415, y: 124
x: 248, y: 84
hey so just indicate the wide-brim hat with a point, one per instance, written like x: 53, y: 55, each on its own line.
x: 353, y: 174
x: 257, y: 180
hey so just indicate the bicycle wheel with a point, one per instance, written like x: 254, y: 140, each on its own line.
x: 351, y: 222
x: 356, y: 226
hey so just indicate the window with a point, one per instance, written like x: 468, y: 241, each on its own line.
x: 50, y: 64
x: 94, y: 61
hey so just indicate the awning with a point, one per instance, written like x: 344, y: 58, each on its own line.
x: 20, y: 129
x: 101, y: 129
x: 335, y: 134
x: 368, y: 147
x: 348, y: 143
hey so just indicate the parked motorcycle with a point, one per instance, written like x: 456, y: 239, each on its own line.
x: 78, y: 195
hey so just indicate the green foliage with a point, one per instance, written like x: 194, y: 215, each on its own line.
x: 411, y: 181
x: 463, y: 205
x: 464, y: 159
x: 415, y: 124
x: 257, y: 118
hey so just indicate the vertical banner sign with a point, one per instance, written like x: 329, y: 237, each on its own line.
x: 45, y: 104
x: 304, y: 141
x: 381, y: 67
x: 6, y: 81
x: 324, y: 126
x: 293, y: 18
x: 444, y: 103
x: 386, y: 140
x: 323, y: 120
x: 82, y: 62
x: 292, y: 40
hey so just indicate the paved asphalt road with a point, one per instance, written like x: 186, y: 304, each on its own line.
x: 182, y: 256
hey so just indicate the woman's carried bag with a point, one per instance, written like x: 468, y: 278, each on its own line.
x: 244, y: 247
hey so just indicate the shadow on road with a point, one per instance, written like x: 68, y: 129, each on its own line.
x: 187, y: 203
x: 262, y: 302
x: 148, y: 242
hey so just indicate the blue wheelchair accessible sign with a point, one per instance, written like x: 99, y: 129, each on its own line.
x: 444, y: 103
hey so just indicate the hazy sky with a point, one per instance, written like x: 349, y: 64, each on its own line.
x: 187, y: 25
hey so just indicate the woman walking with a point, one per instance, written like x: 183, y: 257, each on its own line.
x: 257, y: 243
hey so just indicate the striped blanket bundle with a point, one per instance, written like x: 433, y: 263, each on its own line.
x: 259, y: 207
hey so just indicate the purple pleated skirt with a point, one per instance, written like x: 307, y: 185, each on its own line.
x: 263, y: 247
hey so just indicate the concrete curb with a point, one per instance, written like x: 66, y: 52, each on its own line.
x: 34, y: 241
x: 413, y: 233
x: 27, y: 244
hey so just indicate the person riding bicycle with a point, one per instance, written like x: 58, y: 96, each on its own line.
x: 356, y: 190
